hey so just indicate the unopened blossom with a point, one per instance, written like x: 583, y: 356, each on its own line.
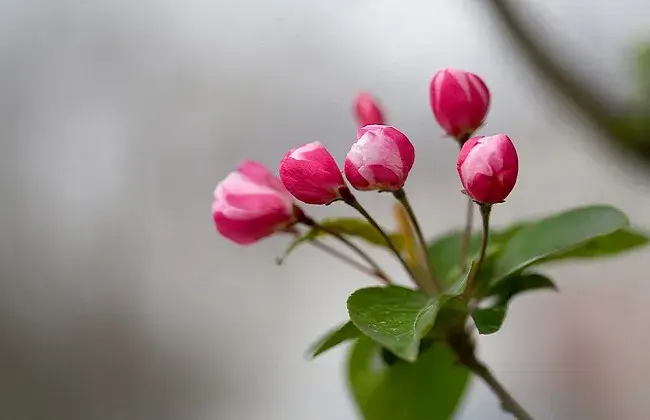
x: 251, y: 204
x: 310, y: 174
x: 488, y: 168
x: 381, y: 159
x: 459, y: 100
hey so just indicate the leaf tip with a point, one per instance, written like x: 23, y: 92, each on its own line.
x: 411, y: 355
x: 309, y: 354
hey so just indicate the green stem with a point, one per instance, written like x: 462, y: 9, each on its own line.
x: 350, y: 199
x: 469, y: 216
x: 485, y: 217
x: 508, y: 403
x: 400, y: 195
x: 357, y: 206
x: 375, y: 271
x: 462, y: 344
x: 467, y: 232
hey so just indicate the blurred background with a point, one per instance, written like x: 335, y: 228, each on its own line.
x: 118, y: 301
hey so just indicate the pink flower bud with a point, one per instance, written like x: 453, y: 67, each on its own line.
x: 310, y: 173
x: 488, y: 168
x: 459, y: 100
x: 366, y: 110
x: 381, y: 159
x: 251, y: 204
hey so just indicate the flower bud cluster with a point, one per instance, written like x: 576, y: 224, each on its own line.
x: 252, y: 203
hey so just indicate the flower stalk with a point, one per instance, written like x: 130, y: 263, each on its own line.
x: 486, y: 209
x: 350, y: 199
x: 467, y: 233
x: 373, y: 272
x: 376, y: 270
x: 400, y: 195
x: 469, y: 217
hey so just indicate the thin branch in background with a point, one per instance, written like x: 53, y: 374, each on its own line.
x: 570, y: 86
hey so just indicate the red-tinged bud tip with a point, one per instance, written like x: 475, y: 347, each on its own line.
x: 367, y: 110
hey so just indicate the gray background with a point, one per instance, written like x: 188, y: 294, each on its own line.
x: 118, y: 301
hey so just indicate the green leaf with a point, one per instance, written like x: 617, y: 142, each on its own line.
x: 395, y: 317
x: 356, y: 228
x: 489, y: 320
x: 333, y: 338
x: 555, y: 236
x: 398, y: 318
x: 444, y: 254
x: 429, y: 389
x: 444, y: 251
x: 520, y: 283
x: 458, y: 287
x: 615, y: 243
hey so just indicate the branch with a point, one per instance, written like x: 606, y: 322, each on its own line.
x: 461, y: 342
x: 570, y: 86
